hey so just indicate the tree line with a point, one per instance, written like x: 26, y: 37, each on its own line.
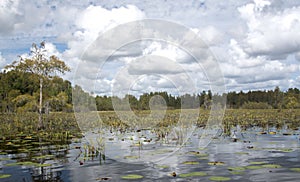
x: 32, y: 85
x: 19, y: 92
x: 266, y: 99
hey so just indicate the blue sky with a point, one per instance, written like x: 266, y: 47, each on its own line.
x: 256, y: 42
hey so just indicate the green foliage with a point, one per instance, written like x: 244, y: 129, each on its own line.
x: 39, y: 64
x: 256, y: 105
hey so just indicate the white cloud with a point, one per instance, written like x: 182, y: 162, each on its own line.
x: 2, y: 61
x: 257, y: 42
x: 272, y: 33
x: 8, y: 15
x: 154, y: 65
x: 210, y: 35
x: 95, y: 20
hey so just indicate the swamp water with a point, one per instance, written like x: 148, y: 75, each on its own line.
x: 256, y: 156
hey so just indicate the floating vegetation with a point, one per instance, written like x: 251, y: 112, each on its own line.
x: 162, y: 166
x: 295, y: 169
x: 23, y: 146
x: 257, y: 162
x: 131, y: 157
x: 236, y: 168
x: 254, y: 167
x: 43, y: 165
x: 271, y: 166
x: 219, y: 178
x: 44, y: 157
x: 4, y: 159
x: 191, y: 162
x: 199, y: 154
x: 103, y: 179
x: 132, y: 176
x: 237, y: 172
x: 12, y: 164
x: 216, y: 163
x: 192, y: 174
x: 286, y: 150
x: 2, y: 176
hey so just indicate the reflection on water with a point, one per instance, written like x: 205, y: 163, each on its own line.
x: 254, y: 157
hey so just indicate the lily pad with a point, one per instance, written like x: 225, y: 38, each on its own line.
x: 12, y: 164
x: 132, y: 176
x: 163, y: 166
x: 254, y: 167
x: 43, y: 165
x: 258, y: 162
x: 191, y: 162
x: 44, y: 157
x: 203, y: 158
x: 271, y: 166
x: 192, y: 174
x: 27, y: 163
x: 219, y: 178
x: 4, y: 159
x: 295, y: 169
x: 286, y: 150
x: 4, y: 176
x: 197, y: 153
x: 236, y: 169
x: 237, y: 172
x: 216, y: 163
x: 131, y: 157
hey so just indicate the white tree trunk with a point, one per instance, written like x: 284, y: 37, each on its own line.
x: 41, y: 104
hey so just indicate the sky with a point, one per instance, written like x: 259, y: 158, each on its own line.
x: 246, y: 45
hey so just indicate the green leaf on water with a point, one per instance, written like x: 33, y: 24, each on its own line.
x: 4, y: 176
x: 12, y: 164
x: 192, y: 174
x: 258, y: 162
x: 163, y: 166
x: 236, y: 172
x: 191, y: 162
x: 236, y: 168
x: 271, y: 166
x: 43, y: 165
x: 131, y: 157
x: 219, y: 178
x: 44, y: 157
x: 286, y: 150
x: 4, y: 159
x: 254, y: 167
x: 295, y: 169
x: 216, y: 163
x: 132, y: 176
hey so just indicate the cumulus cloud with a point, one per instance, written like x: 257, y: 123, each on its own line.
x: 9, y: 15
x: 272, y: 33
x: 210, y: 35
x: 153, y: 65
x: 256, y: 42
x: 95, y: 20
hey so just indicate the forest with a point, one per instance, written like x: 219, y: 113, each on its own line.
x: 19, y: 92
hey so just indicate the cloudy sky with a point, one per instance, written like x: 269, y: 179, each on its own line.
x: 256, y: 43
